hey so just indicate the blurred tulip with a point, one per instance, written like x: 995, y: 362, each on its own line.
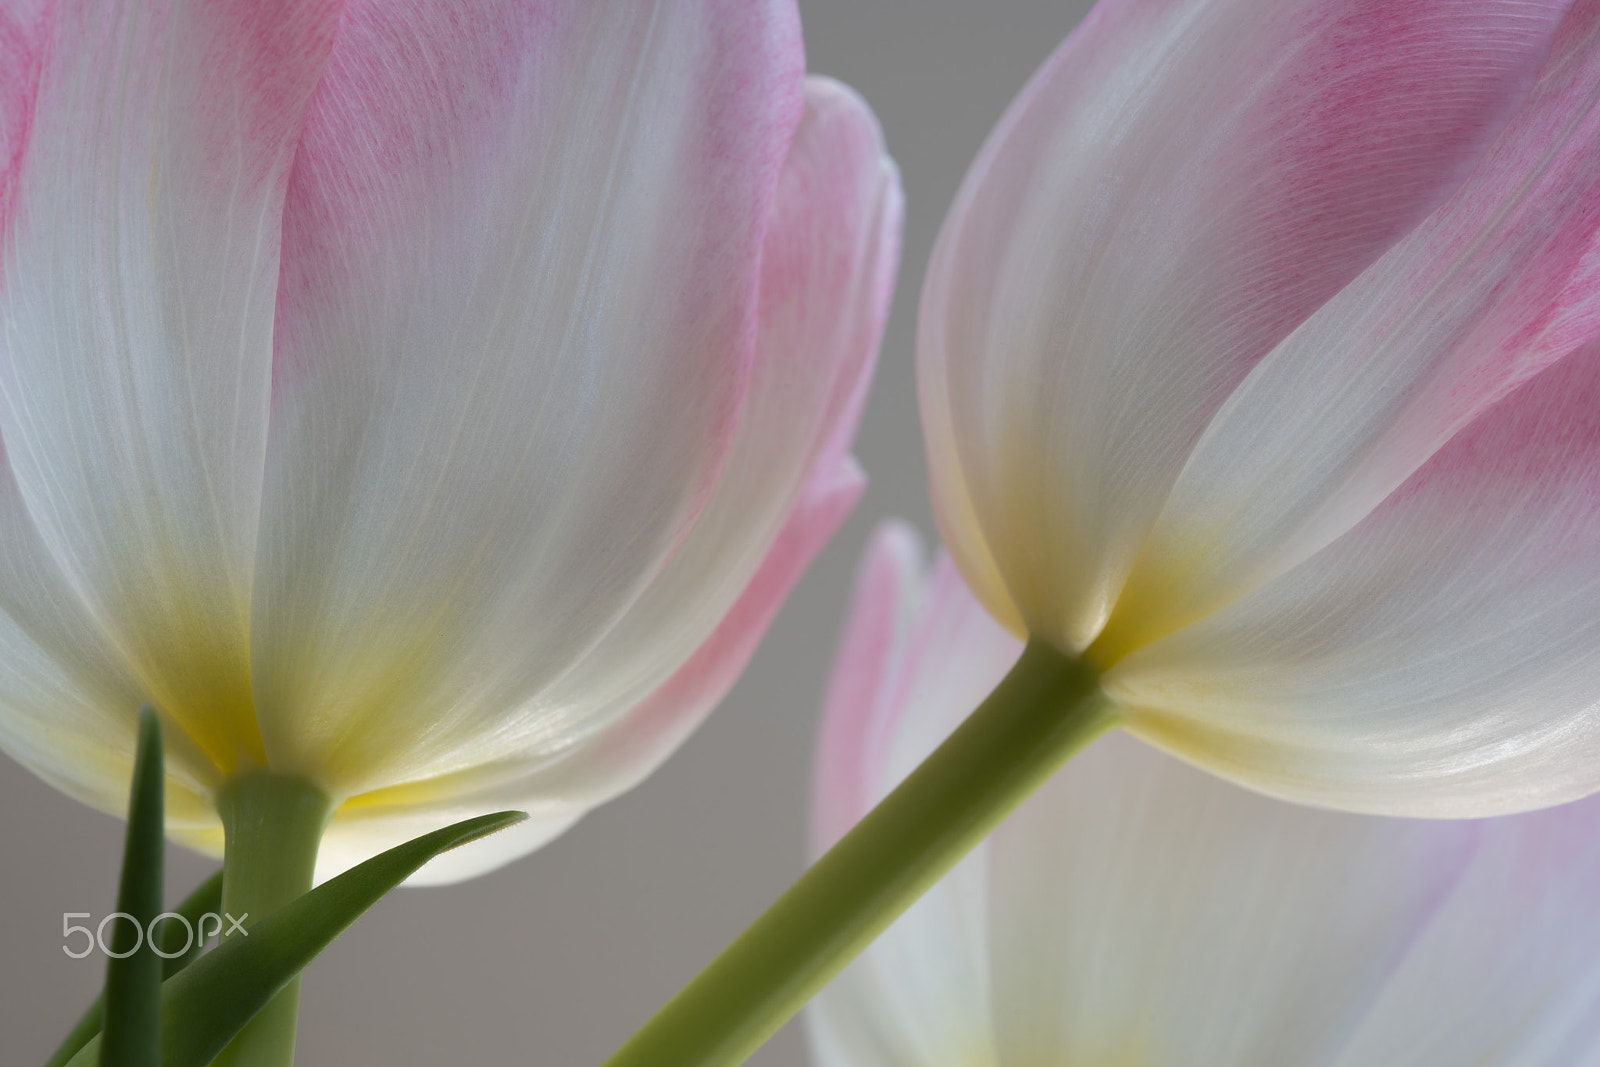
x: 1258, y: 368
x: 1136, y: 911
x: 432, y: 400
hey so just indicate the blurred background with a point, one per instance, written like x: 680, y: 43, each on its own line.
x: 556, y: 959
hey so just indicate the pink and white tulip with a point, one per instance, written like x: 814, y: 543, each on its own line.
x: 1259, y: 366
x: 432, y: 399
x: 1137, y: 911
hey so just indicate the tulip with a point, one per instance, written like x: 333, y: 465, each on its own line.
x: 1137, y: 911
x: 1259, y: 371
x: 1259, y: 365
x: 428, y: 403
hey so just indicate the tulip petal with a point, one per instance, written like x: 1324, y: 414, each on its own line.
x: 1499, y: 282
x: 827, y: 277
x: 858, y: 710
x: 558, y: 792
x: 788, y: 481
x: 920, y: 994
x: 139, y: 230
x: 917, y: 654
x: 1510, y: 962
x: 1136, y: 910
x: 1173, y: 194
x: 515, y: 326
x: 635, y: 744
x: 1142, y: 911
x: 1439, y: 658
x: 24, y: 31
x: 66, y: 690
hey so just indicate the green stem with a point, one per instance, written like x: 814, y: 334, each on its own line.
x: 273, y: 824
x: 1048, y: 707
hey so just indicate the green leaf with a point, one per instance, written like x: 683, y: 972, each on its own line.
x: 206, y: 1004
x: 207, y: 897
x: 132, y: 1025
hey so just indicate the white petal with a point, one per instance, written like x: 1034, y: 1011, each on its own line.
x: 557, y: 791
x: 515, y: 327
x: 916, y: 655
x: 1179, y: 188
x: 826, y: 277
x: 1142, y: 912
x: 360, y: 832
x: 1509, y: 966
x: 1138, y: 911
x: 139, y: 237
x: 1146, y: 912
x: 68, y: 700
x: 859, y: 710
x: 1439, y: 658
x: 1499, y: 282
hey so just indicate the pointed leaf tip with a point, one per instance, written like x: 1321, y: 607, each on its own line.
x: 132, y: 1012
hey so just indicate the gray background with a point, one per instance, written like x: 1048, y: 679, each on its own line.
x: 554, y: 960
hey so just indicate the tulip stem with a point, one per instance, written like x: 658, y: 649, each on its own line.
x: 273, y: 824
x: 1048, y: 708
